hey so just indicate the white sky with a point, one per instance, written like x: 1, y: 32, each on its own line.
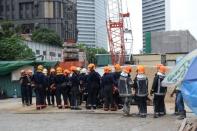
x: 183, y: 16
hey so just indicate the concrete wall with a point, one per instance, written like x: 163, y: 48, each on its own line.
x: 172, y: 42
x: 147, y: 59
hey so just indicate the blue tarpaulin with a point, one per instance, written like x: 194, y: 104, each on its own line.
x: 189, y: 86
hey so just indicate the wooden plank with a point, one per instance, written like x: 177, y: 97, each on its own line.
x: 183, y: 124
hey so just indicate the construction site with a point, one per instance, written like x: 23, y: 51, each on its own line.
x: 95, y: 37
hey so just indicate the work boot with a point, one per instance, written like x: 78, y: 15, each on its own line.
x: 106, y: 108
x: 182, y: 115
x: 156, y: 115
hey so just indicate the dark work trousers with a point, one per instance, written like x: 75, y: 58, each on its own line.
x: 58, y: 95
x: 40, y: 96
x: 30, y: 94
x: 66, y: 95
x: 24, y: 94
x: 176, y: 107
x: 117, y: 100
x: 48, y: 93
x: 179, y: 102
x: 74, y: 94
x: 159, y: 105
x: 142, y: 105
x: 108, y: 96
x: 52, y: 93
x: 92, y: 96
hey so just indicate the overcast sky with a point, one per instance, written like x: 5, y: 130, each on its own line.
x: 183, y: 16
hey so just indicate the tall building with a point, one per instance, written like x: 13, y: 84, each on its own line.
x: 155, y: 16
x: 31, y: 14
x: 91, y: 23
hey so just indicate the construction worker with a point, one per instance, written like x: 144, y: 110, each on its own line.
x: 124, y: 87
x: 159, y: 93
x: 179, y: 103
x: 107, y: 83
x: 66, y: 90
x: 39, y: 81
x: 83, y: 84
x: 30, y: 87
x: 59, y: 84
x: 116, y: 74
x: 157, y: 67
x: 93, y: 85
x: 47, y: 88
x: 52, y: 85
x: 141, y: 90
x: 74, y: 92
x: 24, y: 88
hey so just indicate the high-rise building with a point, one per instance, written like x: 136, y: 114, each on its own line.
x: 155, y: 16
x: 91, y: 23
x: 53, y: 14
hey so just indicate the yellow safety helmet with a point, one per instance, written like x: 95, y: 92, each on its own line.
x: 59, y: 70
x: 40, y: 68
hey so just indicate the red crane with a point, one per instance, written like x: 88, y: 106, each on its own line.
x: 116, y: 30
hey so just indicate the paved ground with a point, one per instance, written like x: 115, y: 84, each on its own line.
x: 14, y: 117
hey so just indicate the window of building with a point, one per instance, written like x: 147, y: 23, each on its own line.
x: 44, y: 53
x: 7, y: 7
x: 38, y: 52
x: 52, y: 54
x: 59, y: 55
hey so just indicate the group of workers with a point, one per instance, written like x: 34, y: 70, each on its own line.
x: 112, y: 91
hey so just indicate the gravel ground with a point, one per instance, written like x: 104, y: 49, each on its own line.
x: 14, y: 117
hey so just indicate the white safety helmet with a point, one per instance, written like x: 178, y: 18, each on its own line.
x: 84, y: 70
x: 45, y: 71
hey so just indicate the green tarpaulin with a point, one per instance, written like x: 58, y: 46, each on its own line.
x: 7, y: 67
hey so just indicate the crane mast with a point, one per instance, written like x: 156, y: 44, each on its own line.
x: 116, y: 30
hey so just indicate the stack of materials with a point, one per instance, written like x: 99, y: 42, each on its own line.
x: 71, y: 52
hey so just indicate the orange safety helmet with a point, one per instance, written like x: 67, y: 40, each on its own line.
x: 158, y: 66
x: 91, y: 66
x: 117, y: 67
x: 107, y: 69
x: 140, y: 69
x: 127, y: 69
x: 162, y: 69
x: 73, y: 68
x: 66, y: 72
x: 59, y: 70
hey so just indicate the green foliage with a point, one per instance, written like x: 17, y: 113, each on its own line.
x: 48, y: 36
x: 12, y: 49
x: 91, y: 52
x: 7, y: 29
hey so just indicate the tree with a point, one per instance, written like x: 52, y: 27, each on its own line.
x: 44, y: 35
x: 91, y: 52
x: 12, y: 48
x: 7, y: 29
